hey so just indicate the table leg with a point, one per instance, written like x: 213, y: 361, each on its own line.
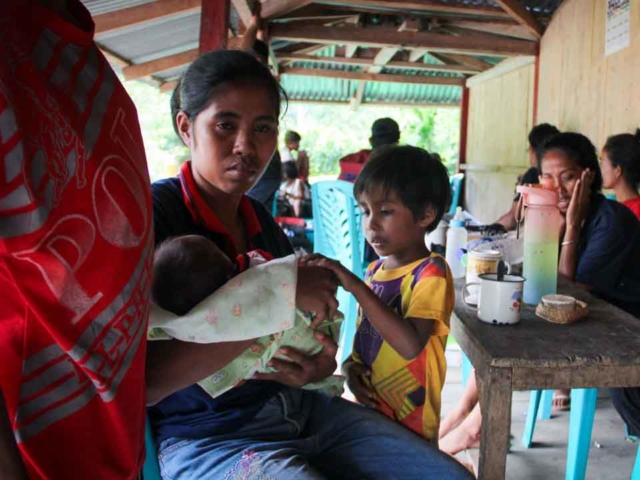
x: 495, y: 403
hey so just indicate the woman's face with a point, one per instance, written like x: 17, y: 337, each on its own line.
x: 232, y: 140
x: 563, y: 172
x: 610, y: 174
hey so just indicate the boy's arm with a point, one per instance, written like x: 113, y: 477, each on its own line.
x: 407, y: 336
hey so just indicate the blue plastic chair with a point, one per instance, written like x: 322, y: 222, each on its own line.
x: 150, y: 468
x: 338, y: 234
x: 456, y: 186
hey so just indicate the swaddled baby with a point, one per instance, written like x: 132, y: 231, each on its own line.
x: 190, y: 268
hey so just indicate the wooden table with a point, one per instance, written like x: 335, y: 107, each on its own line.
x: 601, y: 350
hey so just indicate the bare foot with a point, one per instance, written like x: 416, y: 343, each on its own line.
x: 561, y: 400
x: 466, y: 435
x: 458, y: 440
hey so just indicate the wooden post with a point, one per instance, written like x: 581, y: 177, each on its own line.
x: 464, y: 124
x: 214, y: 25
x: 536, y: 86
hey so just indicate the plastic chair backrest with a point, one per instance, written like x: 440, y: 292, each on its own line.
x: 338, y: 234
x: 456, y: 186
x: 150, y: 468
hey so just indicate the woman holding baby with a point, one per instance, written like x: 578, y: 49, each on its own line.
x: 226, y: 110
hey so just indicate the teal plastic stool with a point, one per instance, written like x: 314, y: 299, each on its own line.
x: 583, y: 408
x: 635, y: 474
x: 337, y: 224
x: 540, y: 404
x: 150, y: 468
x: 466, y: 369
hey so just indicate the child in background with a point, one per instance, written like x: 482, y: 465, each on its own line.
x: 398, y: 364
x: 293, y: 190
x: 187, y: 270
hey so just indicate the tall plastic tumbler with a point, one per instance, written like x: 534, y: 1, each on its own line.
x: 541, y: 242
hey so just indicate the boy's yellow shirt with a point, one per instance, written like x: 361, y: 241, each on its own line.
x: 409, y: 390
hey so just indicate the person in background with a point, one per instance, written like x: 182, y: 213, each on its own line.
x: 76, y: 245
x: 293, y: 190
x: 398, y: 364
x: 620, y: 165
x: 537, y: 136
x: 384, y: 131
x: 292, y: 144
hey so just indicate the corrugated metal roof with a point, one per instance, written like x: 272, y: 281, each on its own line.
x: 151, y: 40
x: 97, y: 7
x: 180, y: 32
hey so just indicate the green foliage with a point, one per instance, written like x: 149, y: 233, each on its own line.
x: 329, y: 132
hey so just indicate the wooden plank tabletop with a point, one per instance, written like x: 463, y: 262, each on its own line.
x: 607, y: 336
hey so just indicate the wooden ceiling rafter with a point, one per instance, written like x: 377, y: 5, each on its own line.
x: 275, y: 8
x: 422, y: 6
x: 368, y: 62
x: 129, y: 17
x: 373, y: 77
x: 452, y: 58
x: 523, y: 16
x: 382, y: 37
x: 146, y: 69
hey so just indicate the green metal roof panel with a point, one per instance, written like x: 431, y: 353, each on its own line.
x: 318, y: 88
x: 411, y: 93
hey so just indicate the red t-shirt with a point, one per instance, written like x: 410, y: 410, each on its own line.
x: 351, y: 165
x: 75, y: 250
x: 634, y: 205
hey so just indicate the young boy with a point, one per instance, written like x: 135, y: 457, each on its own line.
x: 398, y: 364
x: 188, y: 269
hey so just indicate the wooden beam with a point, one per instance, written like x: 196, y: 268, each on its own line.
x: 367, y: 62
x: 523, y: 16
x: 372, y: 77
x: 501, y: 69
x: 168, y: 86
x: 377, y: 104
x: 383, y: 57
x: 356, y: 101
x: 464, y: 128
x: 128, y: 17
x: 417, y: 54
x: 243, y: 10
x: 473, y: 62
x: 350, y: 50
x: 500, y: 28
x: 114, y: 59
x: 273, y: 60
x: 276, y: 8
x: 384, y: 37
x: 214, y: 25
x: 160, y: 65
x: 430, y: 6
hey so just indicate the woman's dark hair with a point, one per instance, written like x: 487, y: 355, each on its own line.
x: 290, y: 170
x: 624, y: 151
x: 210, y: 71
x: 578, y: 148
x: 540, y: 134
x: 412, y: 174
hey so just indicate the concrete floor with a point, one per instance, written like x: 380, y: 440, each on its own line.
x: 546, y: 459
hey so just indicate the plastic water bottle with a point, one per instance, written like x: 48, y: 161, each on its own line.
x: 456, y: 240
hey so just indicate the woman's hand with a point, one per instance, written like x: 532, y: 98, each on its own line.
x: 580, y: 199
x: 316, y: 293
x: 356, y: 374
x: 302, y: 369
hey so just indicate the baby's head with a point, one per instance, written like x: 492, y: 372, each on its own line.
x: 186, y: 270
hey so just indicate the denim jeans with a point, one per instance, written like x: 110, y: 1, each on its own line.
x: 306, y: 435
